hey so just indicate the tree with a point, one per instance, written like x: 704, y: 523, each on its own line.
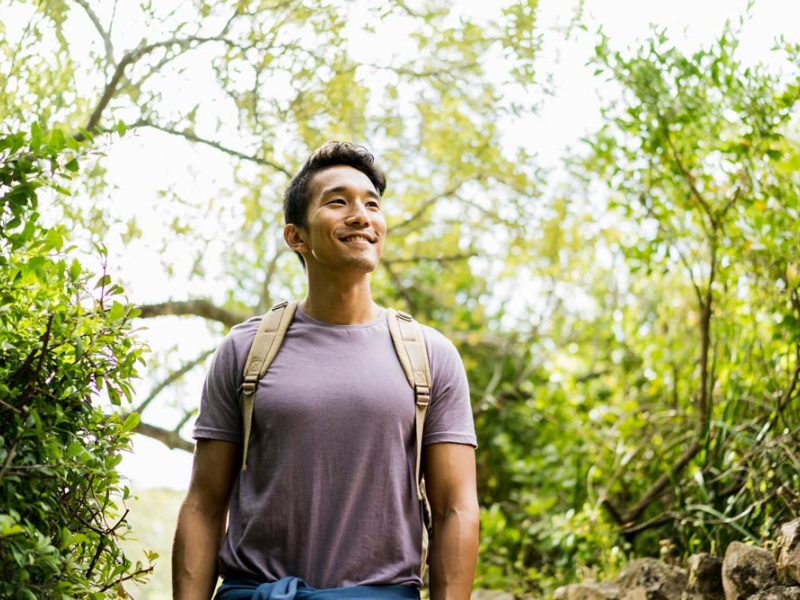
x: 63, y: 343
x: 650, y: 411
x: 698, y: 160
x: 278, y: 78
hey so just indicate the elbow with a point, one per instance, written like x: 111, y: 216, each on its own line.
x: 466, y: 514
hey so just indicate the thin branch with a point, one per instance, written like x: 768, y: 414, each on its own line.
x: 705, y: 344
x: 30, y: 388
x: 265, y: 299
x: 131, y: 58
x: 399, y: 287
x: 171, y: 439
x: 649, y: 524
x: 664, y: 227
x: 426, y: 204
x: 12, y: 452
x: 172, y: 378
x: 661, y: 484
x: 103, y: 33
x: 688, y: 176
x: 197, y: 308
x: 438, y: 259
x: 9, y: 407
x: 192, y: 137
x: 127, y: 577
x: 789, y: 393
x: 184, y: 419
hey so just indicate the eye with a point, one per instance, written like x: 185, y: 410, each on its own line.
x: 374, y: 204
x: 337, y: 201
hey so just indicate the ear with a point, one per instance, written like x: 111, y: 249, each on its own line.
x: 294, y: 236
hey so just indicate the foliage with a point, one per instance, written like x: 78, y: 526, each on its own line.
x: 690, y: 360
x: 652, y: 415
x: 631, y: 339
x: 64, y: 341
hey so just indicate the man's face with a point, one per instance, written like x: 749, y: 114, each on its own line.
x: 344, y: 227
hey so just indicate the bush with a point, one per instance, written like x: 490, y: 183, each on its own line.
x: 65, y: 343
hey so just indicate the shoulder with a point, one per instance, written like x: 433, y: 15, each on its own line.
x: 234, y: 346
x: 437, y: 342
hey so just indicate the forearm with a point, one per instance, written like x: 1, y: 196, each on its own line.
x: 454, y: 554
x: 194, y: 555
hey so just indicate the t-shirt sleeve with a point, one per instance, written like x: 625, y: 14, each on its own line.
x: 220, y: 416
x: 449, y: 418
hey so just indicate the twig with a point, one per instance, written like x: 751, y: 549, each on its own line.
x: 12, y: 452
x: 103, y: 33
x: 193, y: 137
x: 172, y: 378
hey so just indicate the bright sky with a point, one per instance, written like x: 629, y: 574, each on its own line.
x: 564, y: 118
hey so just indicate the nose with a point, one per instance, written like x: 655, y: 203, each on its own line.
x: 358, y: 214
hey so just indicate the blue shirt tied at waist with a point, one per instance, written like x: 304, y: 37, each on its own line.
x: 294, y: 588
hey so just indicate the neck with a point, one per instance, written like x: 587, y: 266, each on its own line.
x: 340, y: 302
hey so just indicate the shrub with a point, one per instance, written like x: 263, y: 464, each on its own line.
x: 65, y: 343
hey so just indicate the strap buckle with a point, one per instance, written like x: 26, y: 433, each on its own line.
x: 249, y: 385
x: 423, y: 394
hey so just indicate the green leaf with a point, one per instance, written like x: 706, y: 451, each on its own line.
x: 36, y: 137
x: 131, y: 421
x: 103, y: 281
x: 117, y: 311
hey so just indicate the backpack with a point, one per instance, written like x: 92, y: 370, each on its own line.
x: 409, y: 344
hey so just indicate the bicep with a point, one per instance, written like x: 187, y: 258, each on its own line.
x: 214, y: 470
x: 450, y: 476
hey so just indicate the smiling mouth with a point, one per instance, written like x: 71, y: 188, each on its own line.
x: 357, y: 238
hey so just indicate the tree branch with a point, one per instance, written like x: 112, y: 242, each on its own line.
x: 438, y: 259
x: 426, y: 204
x: 661, y: 484
x: 197, y: 308
x: 130, y: 58
x: 688, y: 176
x: 172, y: 378
x: 193, y: 137
x: 171, y: 439
x: 103, y: 33
x: 265, y: 299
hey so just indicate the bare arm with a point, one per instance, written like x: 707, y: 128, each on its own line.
x: 451, y: 484
x: 201, y: 520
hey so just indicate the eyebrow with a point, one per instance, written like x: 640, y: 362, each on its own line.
x: 340, y: 189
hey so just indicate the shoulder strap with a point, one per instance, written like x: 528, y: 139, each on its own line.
x: 263, y: 350
x: 410, y: 346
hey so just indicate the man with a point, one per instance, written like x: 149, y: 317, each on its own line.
x: 328, y: 501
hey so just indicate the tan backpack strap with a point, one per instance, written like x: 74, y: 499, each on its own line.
x: 263, y: 350
x: 410, y: 346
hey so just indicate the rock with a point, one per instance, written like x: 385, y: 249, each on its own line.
x: 649, y: 579
x: 705, y: 578
x: 788, y: 553
x: 746, y: 570
x: 587, y: 591
x: 779, y: 592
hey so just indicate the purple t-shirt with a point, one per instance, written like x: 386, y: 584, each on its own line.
x: 329, y: 493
